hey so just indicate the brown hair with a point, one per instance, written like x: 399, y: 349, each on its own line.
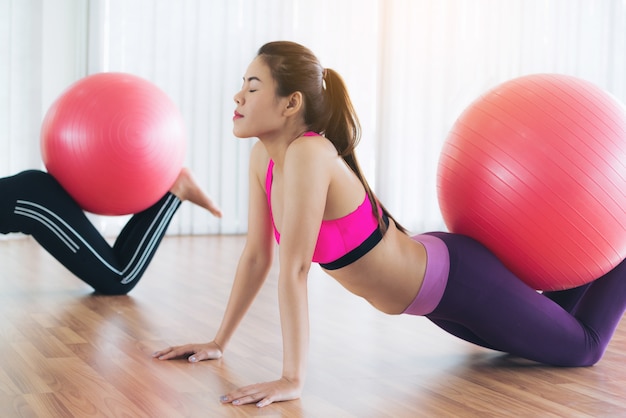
x: 327, y: 105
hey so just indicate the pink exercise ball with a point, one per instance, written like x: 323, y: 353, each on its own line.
x: 535, y: 170
x: 115, y: 142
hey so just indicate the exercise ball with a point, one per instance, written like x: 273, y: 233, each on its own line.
x: 535, y: 170
x: 115, y: 142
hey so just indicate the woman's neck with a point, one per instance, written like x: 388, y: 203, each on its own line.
x: 276, y: 146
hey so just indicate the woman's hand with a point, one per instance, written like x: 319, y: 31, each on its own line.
x: 194, y: 352
x: 264, y: 394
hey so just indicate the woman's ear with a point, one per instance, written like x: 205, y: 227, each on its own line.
x: 294, y: 103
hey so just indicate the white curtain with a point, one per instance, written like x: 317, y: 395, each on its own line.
x: 411, y: 66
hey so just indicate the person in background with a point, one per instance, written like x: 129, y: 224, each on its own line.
x: 34, y: 203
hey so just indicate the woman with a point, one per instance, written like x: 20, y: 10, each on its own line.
x: 305, y: 181
x: 34, y: 203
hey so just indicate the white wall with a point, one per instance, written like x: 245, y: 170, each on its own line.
x: 412, y: 66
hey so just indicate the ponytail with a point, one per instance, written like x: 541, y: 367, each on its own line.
x: 344, y: 131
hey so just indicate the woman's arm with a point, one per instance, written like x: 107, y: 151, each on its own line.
x: 306, y: 182
x: 252, y: 269
x: 305, y: 185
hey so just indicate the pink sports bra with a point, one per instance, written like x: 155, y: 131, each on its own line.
x: 340, y: 241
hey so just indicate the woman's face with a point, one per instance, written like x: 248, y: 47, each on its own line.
x: 259, y: 110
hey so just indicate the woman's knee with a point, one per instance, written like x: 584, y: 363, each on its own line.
x: 112, y: 287
x: 35, y: 183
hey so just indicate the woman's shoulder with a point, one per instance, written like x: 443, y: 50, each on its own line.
x: 259, y: 155
x: 311, y: 147
x: 258, y: 151
x: 259, y: 159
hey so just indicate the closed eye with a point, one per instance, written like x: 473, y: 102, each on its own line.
x: 249, y: 81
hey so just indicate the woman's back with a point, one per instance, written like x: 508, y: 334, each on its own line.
x: 382, y: 275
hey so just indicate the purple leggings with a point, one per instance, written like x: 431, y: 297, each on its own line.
x: 485, y: 304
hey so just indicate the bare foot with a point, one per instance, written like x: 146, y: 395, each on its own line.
x: 185, y: 188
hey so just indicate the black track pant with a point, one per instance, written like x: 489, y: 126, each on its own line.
x: 34, y: 203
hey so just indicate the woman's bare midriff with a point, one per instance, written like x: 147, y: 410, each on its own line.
x: 390, y: 275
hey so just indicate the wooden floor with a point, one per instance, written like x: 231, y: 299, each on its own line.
x: 65, y: 352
